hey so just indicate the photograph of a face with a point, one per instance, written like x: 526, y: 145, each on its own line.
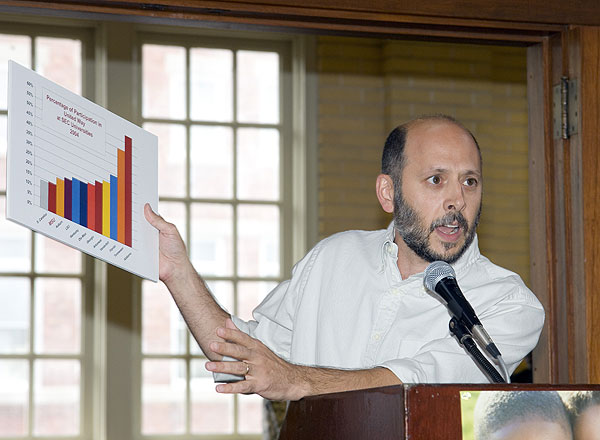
x: 530, y: 415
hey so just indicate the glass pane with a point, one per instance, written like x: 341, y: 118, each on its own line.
x: 15, y: 244
x: 3, y: 139
x: 14, y: 396
x: 15, y: 297
x: 250, y: 294
x: 171, y: 158
x: 163, y: 81
x: 258, y: 240
x: 258, y: 164
x: 163, y: 328
x: 12, y: 47
x: 163, y: 396
x: 212, y: 162
x: 211, y: 249
x: 56, y: 392
x: 250, y: 414
x: 223, y: 292
x: 57, y: 316
x: 52, y: 256
x: 59, y: 60
x: 211, y: 81
x: 211, y: 412
x: 174, y: 212
x: 258, y: 87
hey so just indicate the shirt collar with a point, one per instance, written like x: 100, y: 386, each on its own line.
x: 461, y: 265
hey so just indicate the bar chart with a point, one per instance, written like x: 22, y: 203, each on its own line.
x: 80, y: 174
x: 104, y: 207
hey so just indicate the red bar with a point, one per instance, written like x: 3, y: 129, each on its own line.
x: 98, y: 202
x: 91, y: 206
x: 52, y: 197
x: 128, y: 206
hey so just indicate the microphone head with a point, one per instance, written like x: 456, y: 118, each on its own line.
x: 436, y: 271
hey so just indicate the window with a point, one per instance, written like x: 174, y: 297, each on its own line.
x: 72, y: 363
x: 44, y: 350
x: 216, y: 106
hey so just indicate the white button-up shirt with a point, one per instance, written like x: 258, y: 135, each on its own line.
x: 346, y: 306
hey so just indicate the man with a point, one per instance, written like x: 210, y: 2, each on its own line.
x: 355, y: 313
x: 521, y: 415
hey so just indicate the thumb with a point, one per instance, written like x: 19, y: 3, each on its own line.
x: 229, y: 324
x: 154, y: 219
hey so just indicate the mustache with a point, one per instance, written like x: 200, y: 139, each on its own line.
x: 449, y: 218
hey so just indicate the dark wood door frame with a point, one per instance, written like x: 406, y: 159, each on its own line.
x: 563, y: 39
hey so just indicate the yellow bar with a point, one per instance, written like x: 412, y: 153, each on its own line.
x: 60, y: 197
x: 121, y: 196
x: 106, y: 208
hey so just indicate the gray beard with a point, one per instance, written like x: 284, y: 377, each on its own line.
x: 416, y: 235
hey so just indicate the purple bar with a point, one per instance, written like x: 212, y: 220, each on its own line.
x: 68, y: 198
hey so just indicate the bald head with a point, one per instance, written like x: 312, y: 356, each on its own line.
x: 393, y: 158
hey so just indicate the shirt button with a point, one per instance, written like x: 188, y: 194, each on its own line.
x: 395, y: 291
x: 376, y: 336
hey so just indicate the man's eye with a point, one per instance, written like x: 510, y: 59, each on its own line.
x: 436, y: 180
x: 471, y: 181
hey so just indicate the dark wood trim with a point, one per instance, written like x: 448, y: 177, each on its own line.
x: 322, y: 18
x: 538, y: 89
x: 534, y: 12
x: 558, y: 247
x: 588, y: 299
x: 578, y: 354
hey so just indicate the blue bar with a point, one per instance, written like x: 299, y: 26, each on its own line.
x: 114, y: 194
x: 75, y: 204
x: 83, y: 207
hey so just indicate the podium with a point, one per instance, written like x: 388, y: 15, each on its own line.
x: 409, y: 411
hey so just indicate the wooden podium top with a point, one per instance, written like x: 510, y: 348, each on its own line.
x: 397, y: 412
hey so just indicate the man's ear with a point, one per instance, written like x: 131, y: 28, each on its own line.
x: 385, y: 192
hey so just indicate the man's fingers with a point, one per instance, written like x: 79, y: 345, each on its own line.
x: 230, y: 367
x: 232, y: 350
x: 234, y: 335
x: 163, y: 226
x: 154, y: 219
x: 241, y: 387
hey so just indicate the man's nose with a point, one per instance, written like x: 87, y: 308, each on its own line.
x: 455, y: 198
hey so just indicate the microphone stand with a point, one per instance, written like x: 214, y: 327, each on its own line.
x: 466, y: 340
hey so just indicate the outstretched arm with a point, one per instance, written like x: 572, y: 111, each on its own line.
x: 199, y: 309
x: 273, y: 378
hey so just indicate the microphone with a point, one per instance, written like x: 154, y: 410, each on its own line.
x: 441, y: 279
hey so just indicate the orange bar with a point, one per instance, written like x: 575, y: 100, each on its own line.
x: 60, y: 197
x: 91, y: 206
x: 121, y: 196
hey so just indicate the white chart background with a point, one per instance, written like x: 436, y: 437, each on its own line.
x: 42, y: 145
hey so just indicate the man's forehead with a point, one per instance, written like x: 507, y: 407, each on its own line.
x: 441, y: 136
